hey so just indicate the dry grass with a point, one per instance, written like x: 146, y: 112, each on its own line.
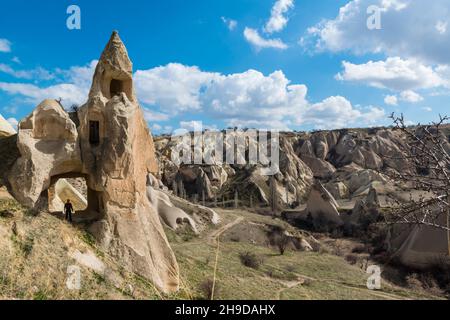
x: 295, y: 275
x: 34, y: 260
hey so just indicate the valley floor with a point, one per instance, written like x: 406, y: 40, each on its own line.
x: 295, y: 275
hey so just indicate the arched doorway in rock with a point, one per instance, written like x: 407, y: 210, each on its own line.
x: 74, y: 186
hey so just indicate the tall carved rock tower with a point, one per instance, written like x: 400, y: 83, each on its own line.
x: 112, y: 148
x: 118, y: 153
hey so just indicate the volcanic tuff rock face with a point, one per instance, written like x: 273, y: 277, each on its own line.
x: 322, y: 205
x: 347, y: 162
x: 367, y: 208
x: 113, y: 150
x: 292, y: 182
x: 48, y: 145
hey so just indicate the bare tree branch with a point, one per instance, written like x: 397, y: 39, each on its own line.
x: 426, y: 176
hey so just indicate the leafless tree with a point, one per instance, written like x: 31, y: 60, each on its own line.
x: 74, y: 108
x: 280, y: 239
x: 426, y: 149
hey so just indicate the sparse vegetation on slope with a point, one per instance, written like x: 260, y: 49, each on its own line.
x: 294, y: 275
x: 37, y: 268
x: 36, y: 252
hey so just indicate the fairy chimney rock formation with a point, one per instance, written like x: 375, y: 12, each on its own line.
x: 112, y: 148
x: 321, y: 205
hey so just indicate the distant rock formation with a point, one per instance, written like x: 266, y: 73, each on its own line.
x: 314, y: 153
x: 293, y: 181
x: 322, y: 206
x: 113, y: 150
x: 347, y: 162
x: 6, y: 128
x: 339, y: 190
x: 367, y: 209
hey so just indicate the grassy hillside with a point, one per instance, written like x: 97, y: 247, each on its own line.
x: 294, y: 275
x: 35, y: 252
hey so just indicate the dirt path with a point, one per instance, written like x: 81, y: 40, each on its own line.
x: 288, y: 285
x: 301, y: 280
x: 381, y: 294
x: 212, y: 238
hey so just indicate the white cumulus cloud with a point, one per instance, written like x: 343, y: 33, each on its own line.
x: 394, y: 73
x: 441, y: 27
x: 156, y: 127
x: 69, y: 93
x: 246, y: 99
x: 410, y: 96
x: 152, y: 116
x: 405, y: 96
x: 399, y: 34
x: 74, y: 89
x: 397, y: 5
x: 174, y: 87
x: 391, y: 100
x: 37, y: 73
x: 338, y: 112
x: 278, y: 19
x: 254, y: 38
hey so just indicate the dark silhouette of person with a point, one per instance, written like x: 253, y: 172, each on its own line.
x: 68, y: 210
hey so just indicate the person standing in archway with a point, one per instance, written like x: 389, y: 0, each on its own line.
x: 68, y: 210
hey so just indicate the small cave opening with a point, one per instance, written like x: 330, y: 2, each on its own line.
x: 116, y: 87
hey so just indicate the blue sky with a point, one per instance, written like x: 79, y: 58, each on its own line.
x: 285, y: 64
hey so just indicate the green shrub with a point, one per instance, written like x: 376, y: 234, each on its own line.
x: 250, y: 260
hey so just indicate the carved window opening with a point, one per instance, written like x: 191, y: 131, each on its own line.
x: 94, y: 132
x: 116, y: 87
